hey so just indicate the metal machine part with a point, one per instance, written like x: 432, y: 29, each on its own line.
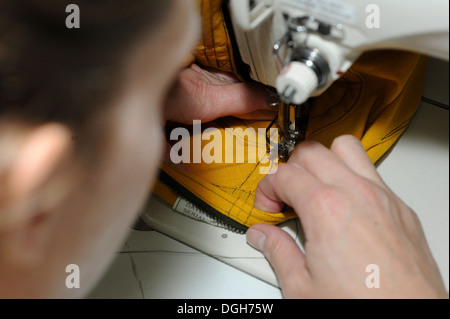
x: 303, y: 70
x: 314, y: 42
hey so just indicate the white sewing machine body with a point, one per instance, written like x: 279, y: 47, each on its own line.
x: 259, y: 26
x: 301, y: 47
x: 280, y: 39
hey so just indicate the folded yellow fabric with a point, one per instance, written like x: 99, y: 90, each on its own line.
x: 374, y: 101
x: 225, y: 186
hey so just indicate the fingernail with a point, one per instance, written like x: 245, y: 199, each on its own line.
x: 266, y: 205
x: 258, y: 205
x: 256, y: 239
x: 260, y: 200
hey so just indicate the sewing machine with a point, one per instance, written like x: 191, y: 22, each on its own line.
x: 300, y: 47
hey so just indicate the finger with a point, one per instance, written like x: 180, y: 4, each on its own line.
x: 206, y: 96
x: 211, y: 75
x: 291, y: 185
x: 317, y: 205
x: 321, y: 163
x: 350, y: 150
x: 314, y: 202
x: 265, y: 197
x: 236, y: 99
x: 242, y: 97
x: 286, y: 258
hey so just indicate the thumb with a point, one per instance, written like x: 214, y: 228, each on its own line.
x: 286, y: 258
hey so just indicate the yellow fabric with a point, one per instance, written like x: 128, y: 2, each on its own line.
x: 374, y: 101
x: 215, y: 48
x: 227, y: 187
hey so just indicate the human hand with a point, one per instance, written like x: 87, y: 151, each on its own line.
x: 205, y: 94
x: 351, y: 219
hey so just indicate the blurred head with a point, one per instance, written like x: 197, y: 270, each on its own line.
x: 80, y: 132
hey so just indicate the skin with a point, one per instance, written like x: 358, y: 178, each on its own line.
x: 208, y: 94
x: 59, y: 213
x: 351, y: 219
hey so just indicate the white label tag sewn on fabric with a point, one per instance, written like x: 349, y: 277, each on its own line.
x: 189, y: 209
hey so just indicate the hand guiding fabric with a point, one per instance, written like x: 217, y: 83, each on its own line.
x: 208, y: 94
x: 351, y: 219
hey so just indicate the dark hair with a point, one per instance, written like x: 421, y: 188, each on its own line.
x: 49, y: 72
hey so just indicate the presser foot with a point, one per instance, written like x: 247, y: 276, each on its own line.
x: 286, y: 144
x: 291, y: 123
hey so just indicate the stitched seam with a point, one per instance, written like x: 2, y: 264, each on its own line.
x: 225, y: 199
x: 348, y: 111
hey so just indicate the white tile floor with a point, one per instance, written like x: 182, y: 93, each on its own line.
x: 151, y: 265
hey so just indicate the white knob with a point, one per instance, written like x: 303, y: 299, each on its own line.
x: 301, y: 78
